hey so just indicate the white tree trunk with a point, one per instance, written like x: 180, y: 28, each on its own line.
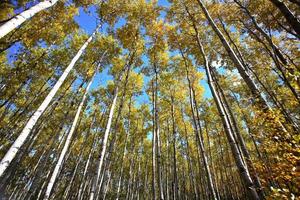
x: 9, y: 156
x: 66, y: 193
x: 68, y: 142
x: 107, y: 186
x: 16, y: 21
x: 84, y: 176
x: 104, y: 142
x: 122, y: 167
x: 242, y: 167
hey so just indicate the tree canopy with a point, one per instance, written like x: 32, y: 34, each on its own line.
x: 149, y: 99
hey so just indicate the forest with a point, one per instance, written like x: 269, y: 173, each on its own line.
x: 150, y: 99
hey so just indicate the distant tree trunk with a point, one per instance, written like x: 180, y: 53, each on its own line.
x: 16, y: 124
x: 234, y: 147
x: 264, y: 34
x: 131, y: 173
x: 157, y: 133
x: 83, y: 180
x: 9, y: 156
x: 271, y: 94
x: 238, y: 158
x: 241, y: 69
x: 26, y: 148
x: 96, y: 138
x: 276, y: 55
x: 35, y: 180
x: 107, y: 186
x: 198, y: 130
x: 190, y: 165
x: 79, y: 159
x: 21, y: 111
x: 153, y: 147
x: 211, y: 159
x: 240, y: 138
x: 69, y: 186
x: 167, y: 162
x: 14, y: 94
x: 175, y: 188
x: 40, y: 189
x: 124, y: 152
x: 261, y: 155
x: 116, y: 124
x: 105, y: 137
x: 98, y: 185
x: 59, y: 164
x: 139, y: 176
x: 122, y: 168
x: 135, y: 191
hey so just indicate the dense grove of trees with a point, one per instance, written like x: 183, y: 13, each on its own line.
x: 186, y: 99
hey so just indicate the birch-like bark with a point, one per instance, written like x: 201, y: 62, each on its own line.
x: 24, y: 151
x: 116, y: 124
x: 37, y: 187
x: 233, y: 145
x: 139, y: 174
x: 175, y: 176
x: 41, y: 91
x: 167, y: 163
x: 32, y: 174
x: 190, y: 165
x: 16, y: 21
x: 157, y: 131
x: 256, y: 94
x: 51, y: 144
x: 85, y: 178
x: 89, y: 160
x: 9, y: 156
x: 104, y: 142
x: 264, y: 34
x: 241, y: 69
x: 208, y: 171
x: 239, y: 136
x: 68, y: 141
x: 96, y: 181
x: 131, y: 173
x: 153, y: 148
x: 295, y: 2
x: 283, y: 77
x: 198, y: 131
x: 107, y: 186
x: 236, y: 154
x: 69, y: 187
x: 14, y: 126
x: 84, y: 175
x: 122, y: 168
x: 276, y: 56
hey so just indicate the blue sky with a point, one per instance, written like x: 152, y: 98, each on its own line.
x: 88, y: 23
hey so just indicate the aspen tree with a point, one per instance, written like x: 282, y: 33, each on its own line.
x: 9, y: 156
x: 16, y: 21
x: 69, y: 139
